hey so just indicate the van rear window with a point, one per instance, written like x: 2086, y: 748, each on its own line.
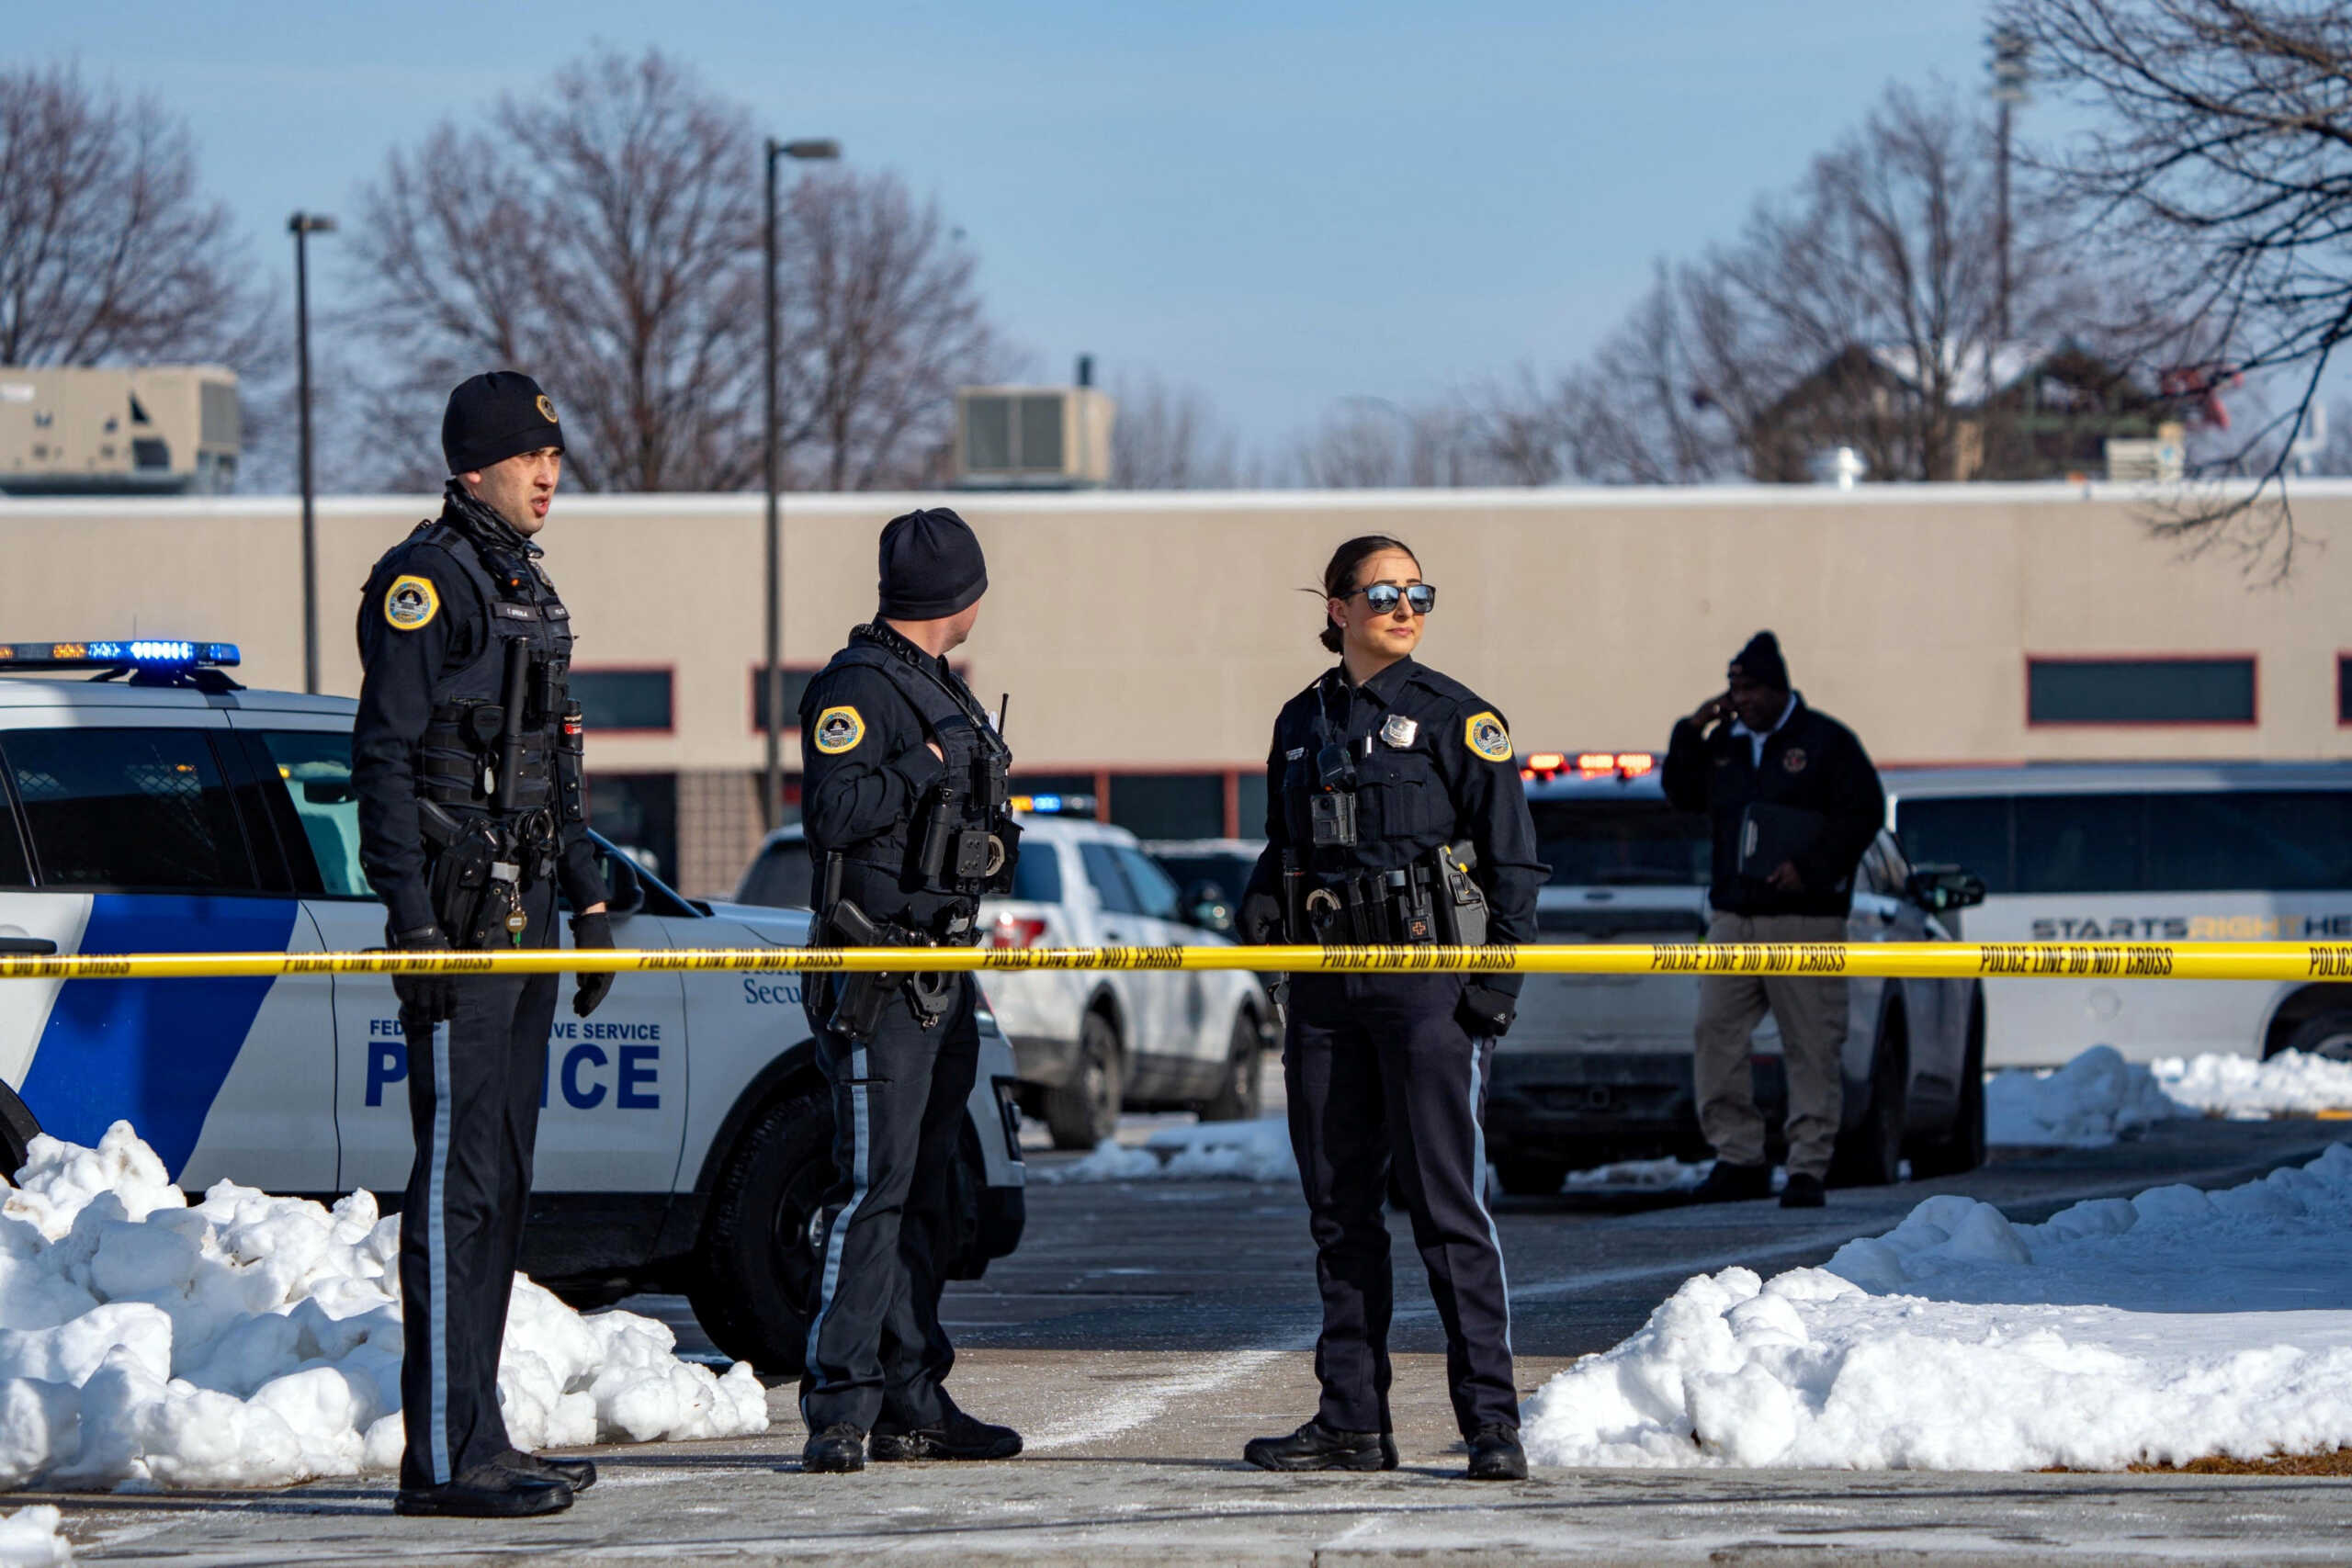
x: 2187, y: 842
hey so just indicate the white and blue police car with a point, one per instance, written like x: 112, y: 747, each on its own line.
x: 149, y: 804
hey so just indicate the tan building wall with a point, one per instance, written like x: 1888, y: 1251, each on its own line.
x: 1160, y: 632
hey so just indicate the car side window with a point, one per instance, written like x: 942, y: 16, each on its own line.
x: 1153, y: 889
x: 315, y: 767
x: 128, y: 808
x: 1110, y: 883
x: 782, y: 877
x: 16, y: 869
x: 1037, y: 874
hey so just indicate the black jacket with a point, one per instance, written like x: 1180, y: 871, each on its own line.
x: 1423, y: 783
x: 867, y: 771
x: 1812, y: 762
x: 421, y: 647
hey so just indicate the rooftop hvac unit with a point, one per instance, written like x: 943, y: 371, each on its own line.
x: 1032, y: 437
x: 148, y: 430
x: 2142, y: 458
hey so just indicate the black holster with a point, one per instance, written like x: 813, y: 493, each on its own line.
x: 864, y: 996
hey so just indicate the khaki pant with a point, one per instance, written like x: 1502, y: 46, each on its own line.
x: 1812, y: 1014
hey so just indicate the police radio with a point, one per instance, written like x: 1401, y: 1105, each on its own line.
x: 1332, y: 809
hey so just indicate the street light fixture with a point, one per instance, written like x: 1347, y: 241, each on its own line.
x: 303, y: 225
x: 772, y: 677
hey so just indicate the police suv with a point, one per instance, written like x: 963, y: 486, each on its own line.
x: 685, y: 1135
x: 1090, y: 1042
x: 1598, y: 1068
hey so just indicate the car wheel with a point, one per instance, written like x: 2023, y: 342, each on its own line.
x: 1085, y: 1110
x: 1961, y: 1150
x: 1531, y: 1178
x: 1871, y: 1155
x: 755, y: 1281
x: 1242, y: 1097
x: 2328, y: 1035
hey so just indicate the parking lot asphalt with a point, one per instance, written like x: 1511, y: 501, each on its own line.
x: 1146, y: 1329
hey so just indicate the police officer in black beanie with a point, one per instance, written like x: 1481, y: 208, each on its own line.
x: 908, y: 821
x: 466, y: 759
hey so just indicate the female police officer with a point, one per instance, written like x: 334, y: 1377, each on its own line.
x: 1394, y: 813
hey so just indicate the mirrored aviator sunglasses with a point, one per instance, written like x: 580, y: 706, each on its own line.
x: 1421, y: 597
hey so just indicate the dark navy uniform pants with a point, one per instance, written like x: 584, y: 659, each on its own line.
x: 474, y: 1085
x: 876, y: 1353
x: 1381, y: 1077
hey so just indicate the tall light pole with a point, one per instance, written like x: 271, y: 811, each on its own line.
x: 303, y: 225
x: 772, y: 677
x: 2010, y: 73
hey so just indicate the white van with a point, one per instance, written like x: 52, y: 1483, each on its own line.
x: 2223, y: 851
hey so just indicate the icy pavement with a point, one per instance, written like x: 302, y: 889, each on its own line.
x: 248, y: 1340
x: 2173, y: 1326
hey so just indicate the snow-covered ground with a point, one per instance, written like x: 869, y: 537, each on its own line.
x: 1247, y: 1151
x: 248, y: 1340
x: 34, y: 1538
x: 2099, y: 1097
x: 2172, y: 1326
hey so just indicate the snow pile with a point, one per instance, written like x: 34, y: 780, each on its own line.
x: 31, y: 1538
x: 2241, y: 1089
x: 1664, y: 1175
x: 249, y: 1341
x: 2089, y: 1102
x: 1246, y: 1151
x: 2172, y: 1326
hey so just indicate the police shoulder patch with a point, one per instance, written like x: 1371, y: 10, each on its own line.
x: 838, y: 730
x: 410, y: 602
x: 1483, y: 733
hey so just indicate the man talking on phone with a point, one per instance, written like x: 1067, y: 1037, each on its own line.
x: 1794, y: 801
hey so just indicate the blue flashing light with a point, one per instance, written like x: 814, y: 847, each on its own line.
x: 147, y: 653
x: 1045, y: 805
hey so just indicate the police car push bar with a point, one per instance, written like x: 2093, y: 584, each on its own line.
x: 1889, y: 960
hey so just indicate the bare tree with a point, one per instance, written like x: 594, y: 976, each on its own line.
x: 110, y: 253
x: 606, y: 238
x: 1368, y: 443
x: 1863, y: 308
x: 2222, y: 149
x: 1169, y: 438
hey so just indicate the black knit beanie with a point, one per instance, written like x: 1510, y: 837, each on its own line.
x: 932, y: 566
x: 1761, y: 661
x: 496, y: 416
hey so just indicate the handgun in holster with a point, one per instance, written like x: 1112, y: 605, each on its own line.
x: 864, y: 996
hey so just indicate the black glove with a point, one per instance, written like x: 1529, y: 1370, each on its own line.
x: 591, y: 931
x: 432, y: 999
x: 1486, y: 1011
x: 1261, y: 919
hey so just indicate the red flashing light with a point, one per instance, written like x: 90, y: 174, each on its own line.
x: 1013, y: 932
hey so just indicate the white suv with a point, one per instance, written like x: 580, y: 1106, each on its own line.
x: 687, y: 1135
x: 1090, y: 1044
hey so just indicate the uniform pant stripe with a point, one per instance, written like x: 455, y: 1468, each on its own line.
x: 1478, y: 1175
x: 437, y: 1252
x: 861, y: 1158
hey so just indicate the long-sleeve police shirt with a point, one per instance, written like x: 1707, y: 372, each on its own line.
x: 1434, y: 766
x: 865, y: 769
x: 401, y: 665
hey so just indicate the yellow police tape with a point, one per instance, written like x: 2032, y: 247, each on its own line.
x: 1911, y: 960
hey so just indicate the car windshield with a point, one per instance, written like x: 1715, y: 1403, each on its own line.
x: 1622, y: 843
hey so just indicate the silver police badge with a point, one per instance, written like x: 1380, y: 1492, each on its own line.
x: 1399, y: 731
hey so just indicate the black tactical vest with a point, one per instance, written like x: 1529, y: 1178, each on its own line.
x: 527, y: 654
x: 962, y: 837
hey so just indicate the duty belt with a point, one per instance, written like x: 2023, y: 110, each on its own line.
x: 1371, y: 907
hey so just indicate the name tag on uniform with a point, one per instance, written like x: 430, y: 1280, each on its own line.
x: 518, y: 612
x: 1399, y: 731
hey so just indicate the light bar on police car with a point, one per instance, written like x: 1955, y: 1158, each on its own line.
x: 114, y: 654
x: 1054, y: 805
x: 1543, y: 766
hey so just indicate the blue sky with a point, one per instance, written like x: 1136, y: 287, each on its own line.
x: 1280, y: 204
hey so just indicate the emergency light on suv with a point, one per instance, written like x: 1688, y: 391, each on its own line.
x: 143, y: 653
x: 1544, y: 766
x: 1054, y: 805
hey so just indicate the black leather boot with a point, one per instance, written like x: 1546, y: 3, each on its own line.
x: 837, y: 1451
x: 485, y: 1491
x: 1802, y: 1193
x: 958, y: 1437
x: 1495, y: 1455
x: 1318, y: 1447
x: 1729, y: 1183
x: 577, y: 1474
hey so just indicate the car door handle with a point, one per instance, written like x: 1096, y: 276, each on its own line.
x: 26, y: 947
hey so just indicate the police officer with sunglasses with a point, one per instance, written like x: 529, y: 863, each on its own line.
x: 1395, y: 815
